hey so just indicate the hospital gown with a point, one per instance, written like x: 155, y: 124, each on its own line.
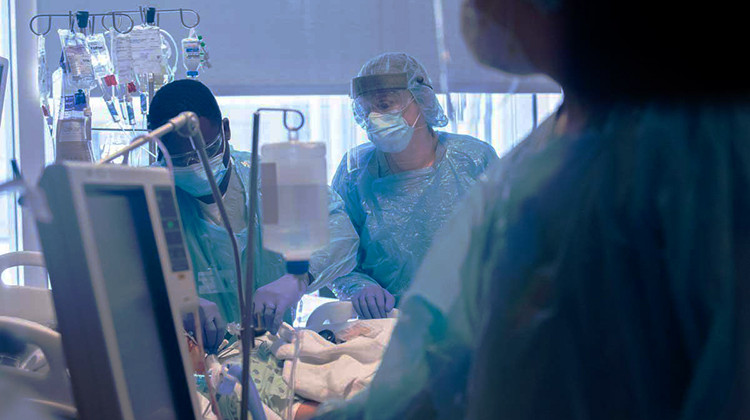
x: 603, y: 275
x: 267, y: 376
x: 397, y: 215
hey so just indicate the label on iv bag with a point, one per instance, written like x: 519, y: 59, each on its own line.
x: 270, y: 193
x: 79, y: 61
x: 71, y: 130
x: 145, y: 42
x: 99, y: 56
x: 123, y: 58
x: 191, y: 56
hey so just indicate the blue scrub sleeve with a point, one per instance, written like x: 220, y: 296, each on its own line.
x: 345, y: 188
x: 339, y: 258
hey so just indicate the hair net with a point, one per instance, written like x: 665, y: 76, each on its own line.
x: 419, y: 84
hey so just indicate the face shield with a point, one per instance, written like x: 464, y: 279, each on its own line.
x: 214, y: 148
x: 385, y: 86
x: 493, y: 40
x: 491, y: 88
x: 380, y: 94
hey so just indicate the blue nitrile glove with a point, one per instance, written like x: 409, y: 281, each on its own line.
x: 373, y: 302
x: 271, y: 301
x: 212, y: 325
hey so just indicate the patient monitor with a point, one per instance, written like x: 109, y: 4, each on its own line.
x: 121, y: 278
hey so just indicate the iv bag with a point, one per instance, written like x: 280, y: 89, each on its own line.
x: 294, y: 199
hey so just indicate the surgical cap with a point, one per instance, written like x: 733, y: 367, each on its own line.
x: 418, y: 83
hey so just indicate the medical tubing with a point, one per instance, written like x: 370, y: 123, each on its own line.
x: 200, y: 146
x: 172, y: 69
x: 202, y: 352
x: 293, y: 375
x: 175, y: 124
x: 155, y: 135
x: 444, y: 59
x: 248, y: 335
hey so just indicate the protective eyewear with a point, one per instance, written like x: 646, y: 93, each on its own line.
x: 213, y: 149
x: 384, y: 102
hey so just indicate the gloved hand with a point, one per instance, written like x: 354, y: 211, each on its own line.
x: 235, y: 370
x: 373, y: 302
x: 212, y: 325
x: 271, y: 301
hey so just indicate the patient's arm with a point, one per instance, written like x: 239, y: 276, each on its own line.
x: 306, y: 410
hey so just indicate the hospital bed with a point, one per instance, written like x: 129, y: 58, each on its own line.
x: 337, y: 357
x: 30, y: 303
x: 28, y: 314
x: 335, y: 313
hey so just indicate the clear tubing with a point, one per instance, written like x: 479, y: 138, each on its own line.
x: 171, y: 70
x: 293, y: 375
x: 444, y: 58
x: 202, y: 352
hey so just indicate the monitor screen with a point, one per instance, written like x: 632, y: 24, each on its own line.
x: 139, y: 303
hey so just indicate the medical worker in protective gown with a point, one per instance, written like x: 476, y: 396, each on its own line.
x: 604, y: 264
x: 406, y: 182
x: 616, y: 253
x: 207, y: 239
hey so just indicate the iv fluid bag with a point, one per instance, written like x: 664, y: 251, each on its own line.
x: 294, y: 198
x: 191, y: 54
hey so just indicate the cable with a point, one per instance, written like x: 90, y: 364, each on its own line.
x: 199, y: 338
x: 248, y: 334
x: 216, y: 194
x: 293, y: 385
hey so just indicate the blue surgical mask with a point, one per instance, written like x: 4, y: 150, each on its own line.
x: 193, y: 180
x: 390, y: 133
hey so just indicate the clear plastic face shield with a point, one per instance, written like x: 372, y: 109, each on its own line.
x: 214, y: 148
x: 383, y: 106
x: 493, y: 40
x: 382, y: 93
x: 382, y: 102
x: 377, y: 102
x: 488, y: 84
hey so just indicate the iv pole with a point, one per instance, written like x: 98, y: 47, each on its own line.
x: 248, y: 336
